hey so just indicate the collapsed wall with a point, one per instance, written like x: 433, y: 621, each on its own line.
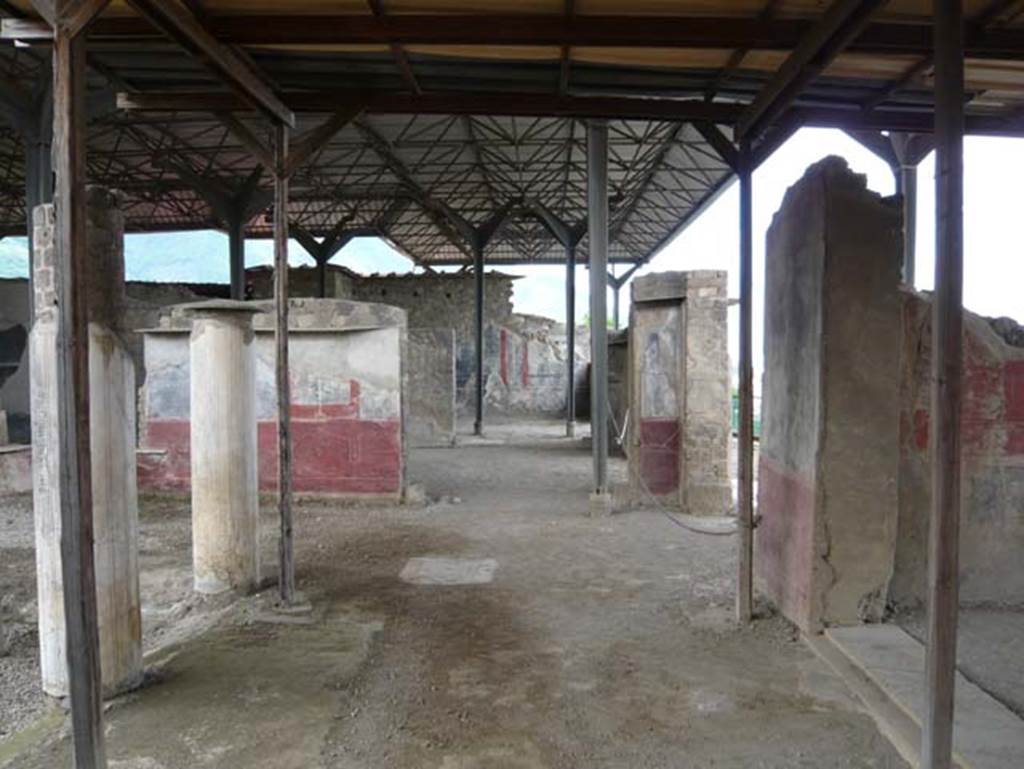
x: 827, y: 485
x: 992, y: 444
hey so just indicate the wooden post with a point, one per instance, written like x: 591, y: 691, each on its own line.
x: 78, y: 570
x: 286, y: 578
x: 236, y: 255
x: 321, y: 276
x: 947, y: 364
x: 745, y: 581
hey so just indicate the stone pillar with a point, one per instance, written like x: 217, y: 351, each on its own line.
x: 679, y: 391
x: 112, y: 441
x: 829, y: 450
x: 225, y: 501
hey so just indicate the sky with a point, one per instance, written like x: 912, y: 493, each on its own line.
x: 993, y: 247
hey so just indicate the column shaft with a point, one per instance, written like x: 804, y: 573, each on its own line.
x: 225, y: 503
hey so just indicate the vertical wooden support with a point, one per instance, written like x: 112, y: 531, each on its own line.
x: 570, y: 339
x: 616, y: 297
x: 78, y: 569
x: 597, y: 210
x: 478, y: 276
x: 236, y: 255
x: 286, y: 578
x: 321, y: 277
x: 745, y: 577
x: 947, y: 364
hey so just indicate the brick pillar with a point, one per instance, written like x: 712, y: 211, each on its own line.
x: 112, y: 440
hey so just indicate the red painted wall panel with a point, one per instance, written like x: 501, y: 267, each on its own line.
x: 659, y: 455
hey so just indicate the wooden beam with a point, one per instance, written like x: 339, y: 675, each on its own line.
x: 70, y: 273
x: 263, y: 154
x: 181, y: 25
x: 504, y: 29
x: 842, y: 22
x: 946, y: 391
x: 526, y: 104
x: 719, y: 142
x: 286, y: 552
x: 876, y: 143
x: 314, y: 141
x: 75, y: 16
x: 48, y: 10
x: 397, y: 52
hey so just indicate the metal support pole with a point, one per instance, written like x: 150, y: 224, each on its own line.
x: 77, y: 561
x: 478, y: 276
x: 236, y: 255
x: 570, y: 340
x: 947, y: 364
x: 745, y: 581
x: 908, y: 188
x: 597, y: 210
x: 286, y: 578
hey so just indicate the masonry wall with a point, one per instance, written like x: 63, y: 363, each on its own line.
x: 14, y: 375
x: 827, y: 486
x: 524, y: 356
x: 992, y: 432
x: 679, y: 395
x: 431, y: 413
x: 346, y: 363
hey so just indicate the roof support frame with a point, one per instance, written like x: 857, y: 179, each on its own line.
x: 842, y: 22
x: 181, y: 25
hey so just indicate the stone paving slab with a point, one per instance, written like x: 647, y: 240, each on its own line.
x: 986, y: 735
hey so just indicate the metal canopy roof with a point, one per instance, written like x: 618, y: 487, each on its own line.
x: 474, y: 109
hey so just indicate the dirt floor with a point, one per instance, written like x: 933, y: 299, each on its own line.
x: 599, y: 643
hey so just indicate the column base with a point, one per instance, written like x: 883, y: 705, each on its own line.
x: 478, y: 428
x: 600, y: 505
x: 570, y: 429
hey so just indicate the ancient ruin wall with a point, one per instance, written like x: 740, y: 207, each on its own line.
x: 992, y: 432
x: 827, y: 492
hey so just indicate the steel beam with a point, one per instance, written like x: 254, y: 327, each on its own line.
x: 597, y: 217
x: 745, y: 506
x: 947, y: 390
x: 908, y: 190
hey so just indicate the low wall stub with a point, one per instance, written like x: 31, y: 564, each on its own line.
x: 345, y: 361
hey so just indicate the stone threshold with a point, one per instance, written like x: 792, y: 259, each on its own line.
x: 884, y: 666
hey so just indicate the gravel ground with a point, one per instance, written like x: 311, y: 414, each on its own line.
x: 599, y: 643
